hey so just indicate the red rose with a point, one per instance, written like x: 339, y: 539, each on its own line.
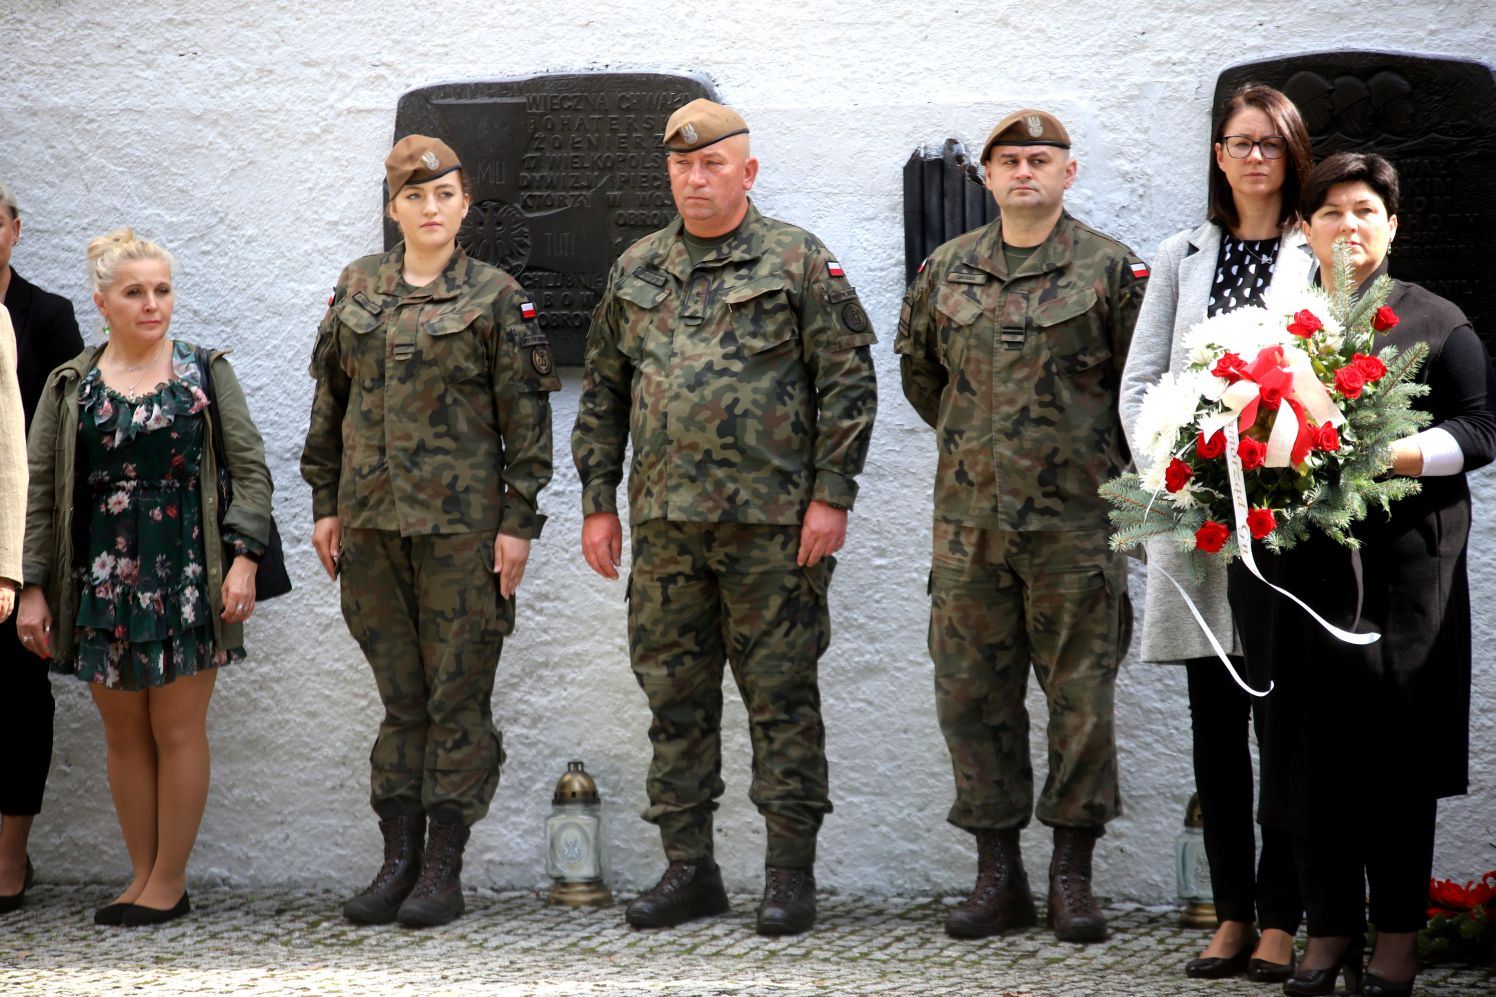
x: 1271, y: 395
x: 1251, y: 453
x: 1305, y: 324
x: 1384, y: 319
x: 1261, y: 523
x: 1327, y: 438
x: 1212, y: 448
x: 1177, y: 474
x: 1350, y: 381
x: 1212, y: 536
x: 1229, y: 367
x: 1370, y: 367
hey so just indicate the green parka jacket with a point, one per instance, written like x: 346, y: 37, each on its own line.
x: 51, y: 450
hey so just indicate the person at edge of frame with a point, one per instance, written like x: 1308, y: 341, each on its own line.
x: 733, y: 350
x: 46, y: 335
x: 1011, y: 344
x: 429, y: 444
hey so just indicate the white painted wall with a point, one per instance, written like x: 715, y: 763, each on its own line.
x: 248, y: 137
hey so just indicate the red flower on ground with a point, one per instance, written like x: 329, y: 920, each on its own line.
x: 1261, y: 522
x: 1212, y: 448
x: 1370, y: 367
x: 1305, y: 323
x: 1445, y: 895
x: 1349, y: 381
x: 1384, y: 319
x: 1212, y: 536
x: 1326, y: 438
x: 1251, y: 453
x: 1177, y: 474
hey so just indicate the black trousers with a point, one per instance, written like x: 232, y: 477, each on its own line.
x: 1390, y: 848
x: 26, y: 708
x: 1220, y: 714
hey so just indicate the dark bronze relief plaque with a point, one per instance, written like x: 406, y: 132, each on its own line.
x: 1435, y: 119
x: 943, y: 197
x: 566, y: 172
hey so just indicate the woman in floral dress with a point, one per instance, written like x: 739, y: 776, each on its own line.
x: 125, y: 552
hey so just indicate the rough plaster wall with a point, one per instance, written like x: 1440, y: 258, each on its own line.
x: 248, y: 138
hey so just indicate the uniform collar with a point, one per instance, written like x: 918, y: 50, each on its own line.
x: 446, y: 286
x: 1054, y: 253
x: 746, y: 244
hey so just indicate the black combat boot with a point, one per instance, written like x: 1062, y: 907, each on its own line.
x: 437, y: 896
x: 789, y: 905
x: 404, y: 844
x: 1000, y: 901
x: 1073, y: 912
x: 685, y: 891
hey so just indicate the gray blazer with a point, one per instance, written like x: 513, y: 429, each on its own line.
x: 1178, y: 291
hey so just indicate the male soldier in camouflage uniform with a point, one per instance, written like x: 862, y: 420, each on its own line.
x: 1012, y: 341
x: 734, y: 351
x: 430, y: 440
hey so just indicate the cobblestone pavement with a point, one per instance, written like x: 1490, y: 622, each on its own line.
x: 285, y: 942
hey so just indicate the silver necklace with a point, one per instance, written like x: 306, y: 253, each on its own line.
x: 142, y: 367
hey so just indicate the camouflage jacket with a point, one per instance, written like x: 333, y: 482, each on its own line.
x: 1019, y: 374
x: 745, y: 382
x: 431, y: 412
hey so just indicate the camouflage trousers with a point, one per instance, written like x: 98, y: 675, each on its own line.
x: 427, y: 613
x: 1000, y: 600
x: 702, y: 595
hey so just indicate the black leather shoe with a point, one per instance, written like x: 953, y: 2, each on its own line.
x: 18, y: 900
x: 1318, y: 982
x: 1262, y: 971
x: 789, y: 905
x: 686, y: 890
x: 112, y: 915
x: 404, y: 850
x: 138, y: 917
x: 436, y: 898
x: 1218, y: 968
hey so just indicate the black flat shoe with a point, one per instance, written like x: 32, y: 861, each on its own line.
x: 137, y: 916
x: 18, y: 900
x: 1262, y: 971
x: 112, y: 915
x: 1218, y: 968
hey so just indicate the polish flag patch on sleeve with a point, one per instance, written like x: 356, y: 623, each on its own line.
x: 835, y: 269
x: 527, y: 309
x: 1139, y: 270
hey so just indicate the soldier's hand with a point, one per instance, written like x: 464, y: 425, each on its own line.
x: 823, y: 532
x: 510, y: 555
x: 602, y: 542
x: 327, y: 538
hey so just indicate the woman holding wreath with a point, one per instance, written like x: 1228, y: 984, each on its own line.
x: 1360, y: 742
x: 1251, y: 239
x: 126, y: 581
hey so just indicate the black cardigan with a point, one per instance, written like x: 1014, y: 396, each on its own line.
x: 46, y: 336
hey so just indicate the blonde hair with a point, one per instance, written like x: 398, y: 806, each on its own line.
x: 107, y: 253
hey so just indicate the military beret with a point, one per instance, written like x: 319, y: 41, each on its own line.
x: 1027, y: 127
x: 700, y: 124
x: 418, y: 159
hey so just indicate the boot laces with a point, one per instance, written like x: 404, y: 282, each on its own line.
x: 442, y: 851
x: 784, y: 885
x: 397, y: 843
x: 676, y: 877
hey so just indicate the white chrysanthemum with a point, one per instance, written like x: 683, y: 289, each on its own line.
x: 1168, y: 407
x: 1245, y: 332
x: 1283, y: 303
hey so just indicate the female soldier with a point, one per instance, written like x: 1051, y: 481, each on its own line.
x: 1251, y: 239
x: 125, y: 554
x: 429, y: 443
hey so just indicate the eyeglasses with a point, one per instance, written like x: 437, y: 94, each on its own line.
x: 1240, y: 146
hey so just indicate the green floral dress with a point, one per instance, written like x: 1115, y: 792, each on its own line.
x: 144, y: 611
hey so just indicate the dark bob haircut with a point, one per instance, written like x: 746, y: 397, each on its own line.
x: 1350, y: 167
x: 1287, y: 123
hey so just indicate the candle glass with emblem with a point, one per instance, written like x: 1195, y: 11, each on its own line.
x: 1192, y: 869
x: 576, y: 847
x: 1282, y: 423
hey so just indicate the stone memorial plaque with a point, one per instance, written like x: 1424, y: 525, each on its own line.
x: 1435, y: 119
x: 566, y: 172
